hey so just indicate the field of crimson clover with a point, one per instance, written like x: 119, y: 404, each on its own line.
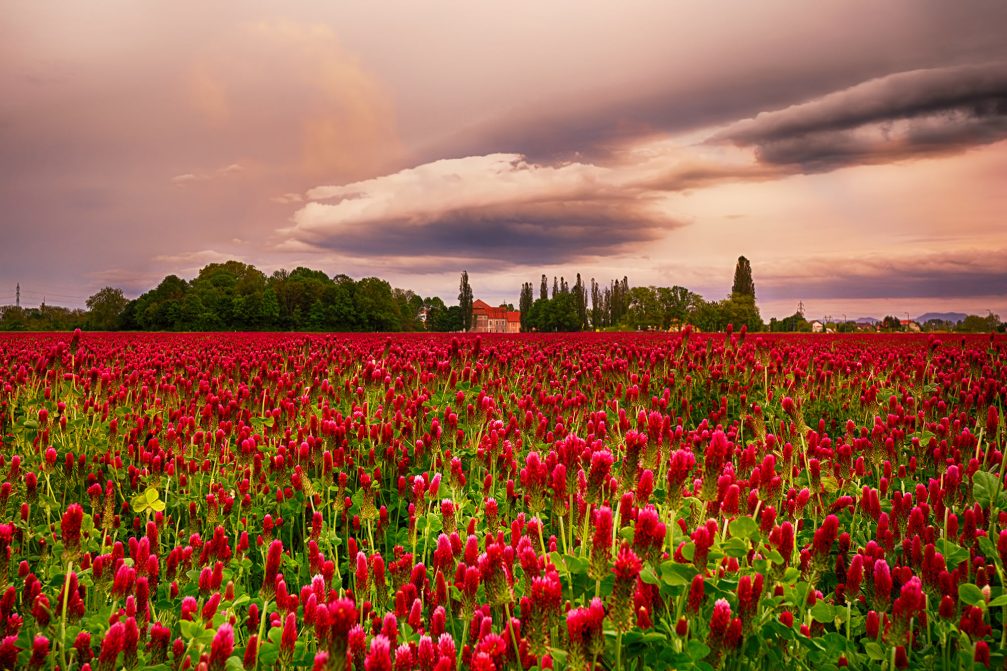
x: 624, y: 501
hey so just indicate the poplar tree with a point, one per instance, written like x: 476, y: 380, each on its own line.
x: 465, y: 301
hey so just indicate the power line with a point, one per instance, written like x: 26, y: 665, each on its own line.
x: 51, y: 293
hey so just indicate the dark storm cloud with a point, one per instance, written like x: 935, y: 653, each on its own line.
x: 904, y: 115
x: 498, y: 208
x: 697, y: 84
x: 499, y: 237
x: 957, y: 275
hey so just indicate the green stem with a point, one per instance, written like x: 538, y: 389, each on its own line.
x: 461, y: 643
x: 510, y: 628
x: 62, y: 630
x: 262, y: 628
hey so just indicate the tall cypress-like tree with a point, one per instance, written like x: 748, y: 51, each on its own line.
x: 740, y: 307
x: 596, y: 307
x: 465, y: 301
x: 743, y: 283
x: 525, y: 303
x: 580, y: 300
x: 543, y: 289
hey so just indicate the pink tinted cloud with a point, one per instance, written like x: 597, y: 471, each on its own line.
x: 498, y: 207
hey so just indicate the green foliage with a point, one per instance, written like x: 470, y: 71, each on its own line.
x: 105, y: 309
x: 235, y: 296
x: 976, y: 324
x: 524, y: 304
x: 743, y: 283
x: 554, y: 314
x: 891, y: 323
x: 465, y: 300
x: 42, y: 318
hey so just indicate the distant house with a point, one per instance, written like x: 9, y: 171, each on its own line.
x: 910, y: 325
x: 817, y: 326
x: 488, y: 319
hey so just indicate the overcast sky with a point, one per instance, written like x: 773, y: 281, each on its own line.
x: 855, y: 152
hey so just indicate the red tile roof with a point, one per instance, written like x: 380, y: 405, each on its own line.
x: 480, y: 307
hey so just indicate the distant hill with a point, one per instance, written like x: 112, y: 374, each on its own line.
x: 953, y: 317
x: 866, y: 320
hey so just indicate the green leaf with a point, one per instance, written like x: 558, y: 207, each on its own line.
x: 743, y: 527
x: 190, y: 629
x: 268, y: 654
x: 697, y: 650
x: 971, y: 594
x: 157, y: 506
x: 984, y: 485
x: 953, y: 554
x: 674, y: 574
x: 576, y: 565
x: 875, y: 651
x: 830, y: 484
x: 234, y: 663
x: 986, y: 545
x: 558, y: 654
x: 648, y: 576
x: 823, y: 612
x: 138, y: 503
x: 735, y: 547
x: 999, y: 601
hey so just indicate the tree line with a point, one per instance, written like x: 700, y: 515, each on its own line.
x: 237, y: 296
x: 618, y: 306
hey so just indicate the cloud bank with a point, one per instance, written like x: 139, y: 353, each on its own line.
x: 497, y: 208
x: 903, y: 115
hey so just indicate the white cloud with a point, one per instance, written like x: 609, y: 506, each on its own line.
x: 191, y: 177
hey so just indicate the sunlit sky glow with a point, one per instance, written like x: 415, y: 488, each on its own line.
x: 856, y: 152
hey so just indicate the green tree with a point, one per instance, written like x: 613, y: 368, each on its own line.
x: 409, y: 306
x: 976, y: 324
x: 160, y: 308
x: 644, y: 312
x: 792, y: 324
x: 891, y: 323
x: 376, y: 305
x: 525, y: 302
x: 447, y: 320
x: 232, y: 292
x: 555, y: 314
x: 740, y: 310
x: 580, y: 301
x: 675, y: 303
x: 270, y: 311
x: 465, y: 301
x: 708, y: 316
x: 743, y: 283
x: 105, y: 309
